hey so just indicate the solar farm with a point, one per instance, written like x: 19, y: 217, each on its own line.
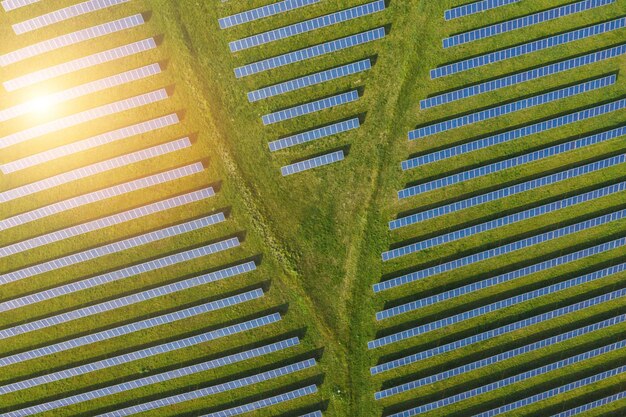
x: 313, y: 208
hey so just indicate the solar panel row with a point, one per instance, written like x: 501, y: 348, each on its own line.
x: 128, y: 300
x: 505, y: 192
x: 522, y: 22
x: 117, y: 275
x: 490, y: 334
x: 592, y: 405
x: 262, y: 12
x: 527, y: 48
x: 476, y: 7
x: 80, y: 91
x: 515, y: 106
x: 522, y: 77
x: 311, y: 107
x: 115, y: 247
x: 314, y: 134
x: 100, y: 195
x: 78, y: 64
x: 520, y: 132
x: 503, y: 221
x: 309, y: 80
x: 89, y: 143
x: 502, y: 278
x: 307, y: 26
x: 500, y: 250
x: 147, y: 324
x: 414, y: 384
x: 554, y: 392
x: 512, y: 380
x: 266, y: 402
x: 189, y: 370
x: 480, y: 311
x: 70, y: 39
x: 66, y: 13
x: 310, y: 52
x: 316, y: 162
x: 108, y: 221
x: 94, y: 169
x: 83, y: 117
x: 9, y: 5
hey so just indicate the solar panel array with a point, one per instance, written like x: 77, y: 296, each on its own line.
x: 112, y: 248
x: 490, y: 334
x: 263, y: 12
x: 128, y: 300
x: 307, y: 26
x: 310, y: 52
x: 137, y: 326
x: 522, y: 22
x: 70, y: 39
x: 503, y: 221
x: 66, y: 13
x: 78, y: 64
x: 515, y: 106
x: 120, y: 274
x: 89, y: 143
x: 309, y: 80
x: 316, y: 162
x: 592, y: 405
x: 398, y: 389
x: 312, y: 107
x: 520, y: 132
x: 314, y: 134
x: 527, y: 48
x: 9, y: 5
x: 476, y: 7
x: 514, y: 379
x: 523, y: 77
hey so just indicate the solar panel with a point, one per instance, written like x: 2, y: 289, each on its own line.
x: 502, y: 278
x: 490, y: 334
x: 476, y: 7
x: 89, y: 143
x: 314, y: 134
x: 505, y: 192
x: 66, y: 13
x: 70, y: 39
x: 9, y: 5
x: 513, y: 107
x: 108, y: 221
x: 133, y: 327
x: 307, y: 26
x: 520, y: 132
x: 311, y: 107
x: 480, y: 311
x: 310, y: 52
x: 517, y: 378
x: 554, y: 392
x: 522, y: 22
x: 83, y: 117
x: 592, y: 405
x: 111, y: 248
x: 266, y: 402
x: 313, y: 414
x: 503, y: 221
x: 79, y: 64
x: 81, y: 91
x: 441, y: 376
x: 500, y: 250
x: 263, y: 12
x: 118, y: 275
x: 316, y: 162
x: 527, y: 48
x: 523, y: 77
x: 94, y: 169
x: 128, y: 300
x: 309, y: 80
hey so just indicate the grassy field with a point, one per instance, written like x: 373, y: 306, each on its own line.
x: 317, y: 236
